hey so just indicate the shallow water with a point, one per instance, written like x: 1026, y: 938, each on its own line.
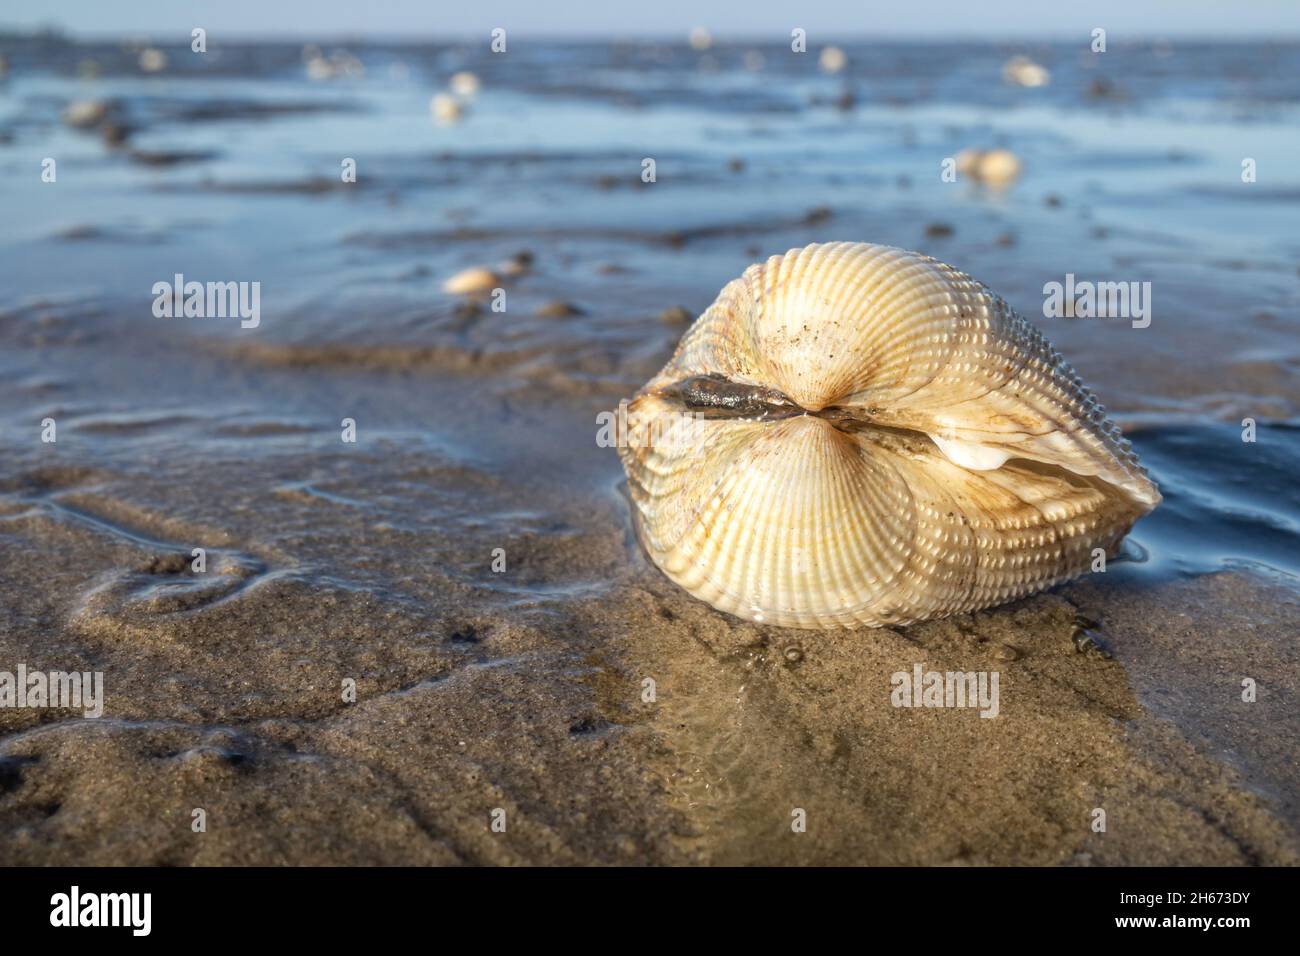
x: 476, y: 431
x: 1224, y: 507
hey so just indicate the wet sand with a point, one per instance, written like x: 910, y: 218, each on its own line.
x: 523, y: 690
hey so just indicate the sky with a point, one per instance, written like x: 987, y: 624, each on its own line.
x: 747, y: 19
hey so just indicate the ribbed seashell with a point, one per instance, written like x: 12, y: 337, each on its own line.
x: 856, y: 435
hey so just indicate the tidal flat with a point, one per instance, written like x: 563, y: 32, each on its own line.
x: 469, y: 563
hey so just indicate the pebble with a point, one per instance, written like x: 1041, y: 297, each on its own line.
x: 518, y: 264
x: 559, y: 309
x: 115, y: 134
x: 676, y: 315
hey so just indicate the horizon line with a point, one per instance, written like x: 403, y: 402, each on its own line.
x: 725, y: 39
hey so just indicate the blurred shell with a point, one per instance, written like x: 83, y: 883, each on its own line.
x: 968, y: 161
x: 85, y: 113
x: 471, y: 281
x: 464, y: 83
x: 933, y: 454
x: 997, y: 168
x: 153, y: 60
x: 446, y: 109
x: 832, y: 59
x: 700, y: 38
x: 1022, y: 71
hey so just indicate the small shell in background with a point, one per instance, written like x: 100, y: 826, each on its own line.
x: 464, y: 84
x: 84, y: 114
x: 968, y: 161
x: 995, y: 168
x: 472, y: 282
x: 832, y: 59
x: 1022, y: 71
x: 998, y: 168
x: 153, y: 60
x: 446, y: 109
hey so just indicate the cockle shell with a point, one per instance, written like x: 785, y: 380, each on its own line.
x: 857, y: 435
